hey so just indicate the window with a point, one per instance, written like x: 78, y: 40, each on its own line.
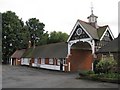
x: 42, y: 61
x: 104, y: 56
x: 36, y: 60
x: 64, y: 61
x: 111, y: 55
x: 50, y: 61
x: 58, y: 62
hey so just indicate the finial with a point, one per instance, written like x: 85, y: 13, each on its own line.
x: 91, y: 8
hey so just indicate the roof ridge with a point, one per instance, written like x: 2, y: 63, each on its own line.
x: 82, y: 21
x: 49, y: 44
x: 91, y: 25
x: 87, y: 23
x: 103, y: 26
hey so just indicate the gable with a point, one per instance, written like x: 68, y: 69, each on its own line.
x: 79, y: 33
x: 107, y: 35
x: 18, y: 53
x: 101, y: 31
x: 89, y: 29
x: 107, y: 48
x: 84, y: 34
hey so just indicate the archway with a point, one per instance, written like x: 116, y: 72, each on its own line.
x: 81, y: 56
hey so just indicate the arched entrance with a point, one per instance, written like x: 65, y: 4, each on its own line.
x: 81, y: 57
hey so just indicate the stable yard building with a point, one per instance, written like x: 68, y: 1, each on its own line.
x: 77, y: 53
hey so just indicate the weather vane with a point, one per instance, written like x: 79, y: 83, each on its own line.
x: 91, y: 8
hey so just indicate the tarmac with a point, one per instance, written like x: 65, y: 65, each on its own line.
x: 26, y: 77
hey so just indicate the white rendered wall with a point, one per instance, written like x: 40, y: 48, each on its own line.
x: 46, y: 66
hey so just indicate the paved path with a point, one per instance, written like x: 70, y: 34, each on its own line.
x: 26, y: 77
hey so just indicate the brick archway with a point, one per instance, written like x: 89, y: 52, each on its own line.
x: 81, y: 57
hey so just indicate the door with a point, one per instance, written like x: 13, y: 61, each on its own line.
x: 61, y: 64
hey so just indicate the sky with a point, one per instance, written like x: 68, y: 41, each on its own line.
x: 61, y: 15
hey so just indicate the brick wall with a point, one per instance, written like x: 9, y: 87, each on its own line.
x: 47, y: 61
x: 79, y: 60
x: 18, y: 61
x: 39, y: 61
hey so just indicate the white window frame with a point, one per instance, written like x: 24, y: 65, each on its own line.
x: 51, y: 61
x: 36, y: 60
x: 42, y: 61
x: 58, y: 61
x: 63, y: 61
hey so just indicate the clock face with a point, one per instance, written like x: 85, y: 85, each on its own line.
x: 79, y: 31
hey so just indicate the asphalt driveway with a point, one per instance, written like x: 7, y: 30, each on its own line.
x: 26, y: 77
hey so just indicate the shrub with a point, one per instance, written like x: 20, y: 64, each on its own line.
x: 112, y: 76
x: 85, y: 73
x: 94, y: 66
x: 106, y: 65
x: 90, y: 72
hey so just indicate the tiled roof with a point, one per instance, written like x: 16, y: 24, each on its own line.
x: 18, y: 53
x: 28, y: 53
x: 101, y: 30
x: 95, y: 33
x: 55, y: 50
x: 112, y: 46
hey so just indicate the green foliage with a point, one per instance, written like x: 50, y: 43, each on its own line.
x: 109, y: 76
x: 100, y: 76
x: 105, y: 65
x: 16, y: 35
x: 11, y: 33
x: 112, y: 75
x: 36, y: 31
x: 90, y: 72
x: 85, y: 72
x: 44, y: 39
x: 57, y: 37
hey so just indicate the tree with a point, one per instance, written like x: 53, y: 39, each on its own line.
x: 44, y: 38
x: 57, y: 37
x: 12, y: 28
x: 25, y: 37
x: 16, y: 35
x: 36, y: 31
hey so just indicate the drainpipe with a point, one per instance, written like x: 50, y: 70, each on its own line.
x: 93, y: 52
x: 11, y: 62
x: 69, y: 66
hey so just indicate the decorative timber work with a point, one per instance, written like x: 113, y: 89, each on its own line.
x: 79, y: 34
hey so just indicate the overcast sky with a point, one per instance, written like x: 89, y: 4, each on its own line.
x: 61, y: 15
